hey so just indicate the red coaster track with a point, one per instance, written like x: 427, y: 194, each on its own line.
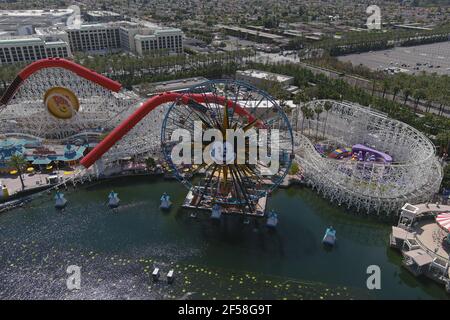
x: 58, y: 63
x: 146, y: 108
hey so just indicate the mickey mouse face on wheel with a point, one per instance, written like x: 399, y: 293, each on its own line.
x: 61, y: 102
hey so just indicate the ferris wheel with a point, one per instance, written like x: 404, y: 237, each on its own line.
x: 241, y: 144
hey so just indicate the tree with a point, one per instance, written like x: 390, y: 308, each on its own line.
x: 294, y: 168
x: 386, y: 85
x: 327, y: 106
x: 309, y: 114
x: 446, y: 180
x: 443, y: 141
x: 418, y: 95
x: 318, y: 110
x: 299, y: 99
x: 19, y: 163
x: 395, y: 90
x: 150, y: 162
x: 305, y: 112
x: 406, y: 94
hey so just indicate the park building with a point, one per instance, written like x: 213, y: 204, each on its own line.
x: 261, y: 78
x: 253, y: 35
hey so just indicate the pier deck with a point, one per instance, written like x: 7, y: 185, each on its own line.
x: 431, y: 238
x: 191, y: 202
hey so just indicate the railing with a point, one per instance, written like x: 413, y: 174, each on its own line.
x: 430, y: 252
x: 80, y: 176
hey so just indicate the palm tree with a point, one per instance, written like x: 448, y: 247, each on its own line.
x: 327, y: 106
x: 385, y: 86
x: 418, y: 95
x: 19, y: 163
x: 443, y: 141
x: 318, y: 110
x: 299, y: 99
x: 309, y: 114
x: 406, y: 94
x: 395, y: 91
x: 305, y: 112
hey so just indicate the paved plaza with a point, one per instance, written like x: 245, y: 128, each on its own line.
x: 34, y: 180
x: 431, y: 236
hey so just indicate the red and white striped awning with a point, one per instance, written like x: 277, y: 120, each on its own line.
x: 444, y: 220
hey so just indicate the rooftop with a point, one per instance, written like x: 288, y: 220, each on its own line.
x: 19, y: 40
x: 103, y: 14
x: 252, y: 32
x: 172, y: 85
x: 420, y: 257
x: 35, y: 13
x: 264, y: 75
x: 143, y: 26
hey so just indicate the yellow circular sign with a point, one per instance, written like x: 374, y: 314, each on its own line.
x: 61, y: 102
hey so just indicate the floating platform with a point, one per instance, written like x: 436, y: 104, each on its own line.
x: 192, y: 201
x: 155, y: 274
x: 170, y: 276
x: 216, y: 212
x: 272, y: 219
x: 113, y: 200
x: 330, y: 237
x: 60, y: 201
x: 165, y: 202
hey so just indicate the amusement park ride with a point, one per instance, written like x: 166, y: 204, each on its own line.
x: 59, y: 102
x: 80, y: 103
x: 220, y: 105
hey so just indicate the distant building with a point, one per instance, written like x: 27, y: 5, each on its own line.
x: 262, y: 78
x: 257, y: 77
x: 255, y: 35
x: 94, y: 38
x: 28, y: 49
x: 124, y: 36
x: 102, y: 16
x: 164, y: 39
x: 28, y: 44
x: 13, y: 20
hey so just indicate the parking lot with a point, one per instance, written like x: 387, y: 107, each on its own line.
x: 429, y: 58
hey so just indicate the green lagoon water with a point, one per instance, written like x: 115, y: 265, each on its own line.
x: 118, y: 249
